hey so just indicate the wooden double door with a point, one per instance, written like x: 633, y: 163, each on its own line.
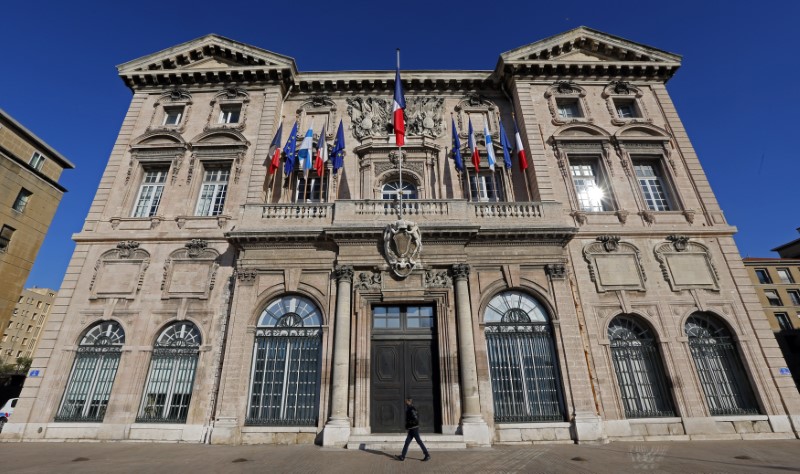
x: 404, y: 363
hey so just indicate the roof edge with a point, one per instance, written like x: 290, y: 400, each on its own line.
x: 32, y: 136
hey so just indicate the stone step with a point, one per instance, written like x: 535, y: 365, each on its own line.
x: 391, y: 442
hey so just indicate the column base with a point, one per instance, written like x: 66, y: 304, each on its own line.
x: 589, y: 428
x: 476, y: 432
x: 336, y: 433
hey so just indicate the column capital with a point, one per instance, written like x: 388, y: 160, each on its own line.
x: 343, y: 273
x: 460, y: 271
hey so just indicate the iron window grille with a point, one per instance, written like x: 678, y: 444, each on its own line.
x: 721, y: 372
x: 93, y: 374
x: 637, y: 363
x: 523, y: 366
x: 286, y: 365
x: 168, y: 390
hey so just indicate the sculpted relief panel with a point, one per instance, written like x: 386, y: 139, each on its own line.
x: 686, y: 265
x: 371, y: 116
x: 614, y: 265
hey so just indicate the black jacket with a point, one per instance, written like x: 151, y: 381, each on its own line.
x: 412, y: 417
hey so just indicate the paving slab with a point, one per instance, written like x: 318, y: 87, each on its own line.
x: 772, y: 456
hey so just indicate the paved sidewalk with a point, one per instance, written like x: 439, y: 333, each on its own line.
x: 683, y: 457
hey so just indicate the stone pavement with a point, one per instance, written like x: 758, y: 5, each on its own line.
x: 651, y: 457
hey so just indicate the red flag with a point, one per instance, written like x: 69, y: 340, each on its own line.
x: 523, y: 162
x: 275, y: 151
x: 473, y: 148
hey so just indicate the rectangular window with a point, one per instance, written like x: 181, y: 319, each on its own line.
x: 626, y: 108
x: 172, y: 115
x: 785, y: 275
x: 229, y: 113
x: 150, y: 192
x: 312, y: 189
x: 30, y: 328
x: 773, y: 298
x: 653, y: 185
x: 215, y: 188
x: 794, y: 295
x: 763, y: 276
x: 5, y: 237
x: 569, y: 108
x: 22, y: 200
x: 39, y: 304
x: 37, y: 160
x: 590, y: 185
x: 20, y: 299
x: 24, y: 341
x: 486, y: 186
x: 783, y: 321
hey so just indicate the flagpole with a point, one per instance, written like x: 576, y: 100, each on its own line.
x: 400, y: 156
x: 524, y: 172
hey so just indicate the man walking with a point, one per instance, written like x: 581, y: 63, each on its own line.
x: 412, y: 425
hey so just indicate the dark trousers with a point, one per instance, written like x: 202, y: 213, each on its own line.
x: 413, y: 433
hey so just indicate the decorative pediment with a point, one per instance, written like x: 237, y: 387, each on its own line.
x: 221, y: 137
x: 578, y: 131
x: 641, y: 130
x: 584, y: 44
x: 159, y: 139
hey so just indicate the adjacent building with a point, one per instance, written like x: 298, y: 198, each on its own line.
x: 240, y: 280
x: 777, y: 282
x: 21, y: 334
x: 29, y: 196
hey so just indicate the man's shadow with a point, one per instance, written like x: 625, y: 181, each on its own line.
x: 362, y: 447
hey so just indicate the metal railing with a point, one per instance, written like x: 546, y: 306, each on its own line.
x: 641, y: 380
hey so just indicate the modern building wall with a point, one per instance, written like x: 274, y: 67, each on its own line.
x: 29, y: 196
x: 609, y: 250
x: 21, y: 335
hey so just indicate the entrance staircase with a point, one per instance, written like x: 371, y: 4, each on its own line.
x: 393, y: 442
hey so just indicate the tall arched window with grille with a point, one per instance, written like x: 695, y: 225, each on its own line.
x: 721, y: 372
x: 93, y: 373
x: 168, y: 389
x: 284, y: 386
x: 638, y: 365
x: 523, y: 365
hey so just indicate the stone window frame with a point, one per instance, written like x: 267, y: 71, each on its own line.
x: 313, y: 107
x: 567, y: 90
x: 231, y: 96
x: 171, y: 99
x: 476, y: 104
x: 6, y: 234
x: 621, y: 90
x: 21, y: 201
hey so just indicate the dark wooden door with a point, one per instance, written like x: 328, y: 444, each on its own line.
x: 403, y: 367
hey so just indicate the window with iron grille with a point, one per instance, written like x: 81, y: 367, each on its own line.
x: 93, y: 374
x: 285, y: 374
x: 719, y: 367
x: 168, y: 390
x: 639, y: 369
x: 150, y: 192
x: 214, y: 191
x: 523, y: 366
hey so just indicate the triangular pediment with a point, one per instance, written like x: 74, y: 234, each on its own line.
x: 209, y: 52
x: 582, y: 45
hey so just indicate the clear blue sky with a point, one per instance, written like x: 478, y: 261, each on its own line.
x: 737, y: 91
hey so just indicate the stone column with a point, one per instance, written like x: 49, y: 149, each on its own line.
x: 473, y: 427
x: 337, y: 429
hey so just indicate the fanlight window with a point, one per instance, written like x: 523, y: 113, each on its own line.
x: 168, y: 389
x: 93, y: 374
x: 391, y: 190
x: 286, y: 364
x: 522, y: 361
x: 638, y: 365
x: 721, y: 372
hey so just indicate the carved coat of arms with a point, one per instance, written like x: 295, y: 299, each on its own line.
x: 403, y: 243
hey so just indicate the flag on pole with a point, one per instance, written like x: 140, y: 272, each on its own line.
x: 306, y: 152
x: 506, y: 145
x: 275, y: 151
x: 523, y: 162
x: 338, y: 149
x: 473, y: 148
x: 457, y: 148
x: 289, y: 149
x: 322, y: 153
x: 489, y: 147
x: 398, y: 107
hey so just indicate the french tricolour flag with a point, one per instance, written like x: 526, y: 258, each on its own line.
x: 473, y: 148
x: 275, y: 151
x: 306, y: 151
x: 523, y: 162
x: 489, y: 147
x: 398, y: 107
x: 322, y: 154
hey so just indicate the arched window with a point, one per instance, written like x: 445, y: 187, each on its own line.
x: 93, y: 373
x: 719, y: 367
x: 286, y: 362
x: 168, y: 389
x: 639, y: 369
x: 522, y: 360
x: 390, y: 190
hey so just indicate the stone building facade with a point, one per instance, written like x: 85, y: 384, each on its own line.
x: 21, y: 334
x: 29, y: 196
x: 597, y: 294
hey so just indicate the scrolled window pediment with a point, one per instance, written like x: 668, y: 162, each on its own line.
x: 567, y: 103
